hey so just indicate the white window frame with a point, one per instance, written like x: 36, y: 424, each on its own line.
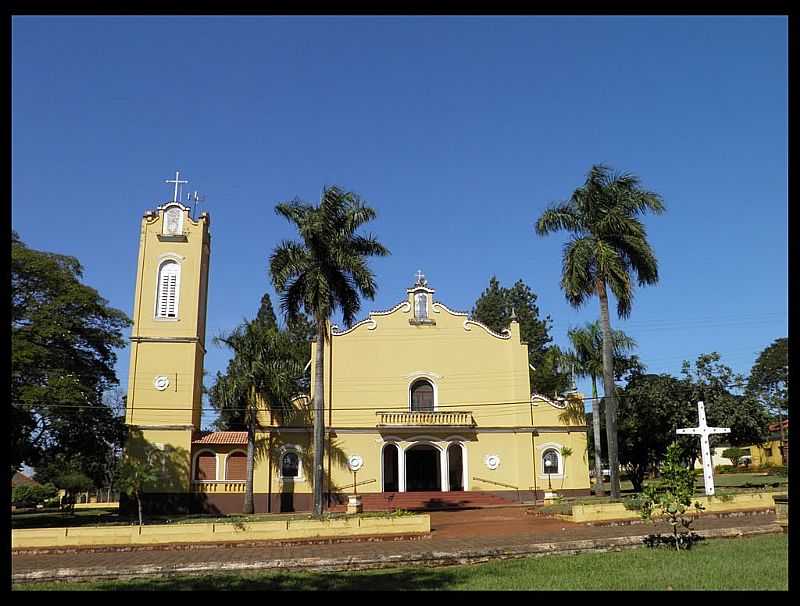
x: 421, y: 296
x: 540, y: 466
x: 300, y: 477
x: 429, y: 379
x: 162, y: 263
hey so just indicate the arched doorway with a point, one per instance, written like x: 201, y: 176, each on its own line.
x: 423, y: 468
x: 391, y: 477
x: 455, y: 466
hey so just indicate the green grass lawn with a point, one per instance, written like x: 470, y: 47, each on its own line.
x: 747, y: 563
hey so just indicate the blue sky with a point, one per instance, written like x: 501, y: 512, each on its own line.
x: 459, y: 131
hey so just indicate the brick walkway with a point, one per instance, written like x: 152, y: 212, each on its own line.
x: 451, y: 533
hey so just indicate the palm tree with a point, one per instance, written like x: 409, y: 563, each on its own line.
x: 327, y: 270
x: 608, y: 245
x: 587, y: 358
x: 261, y: 372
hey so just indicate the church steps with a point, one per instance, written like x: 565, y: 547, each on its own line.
x: 426, y: 501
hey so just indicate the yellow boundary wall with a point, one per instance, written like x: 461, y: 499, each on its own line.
x: 616, y: 511
x: 278, y: 530
x: 111, y: 505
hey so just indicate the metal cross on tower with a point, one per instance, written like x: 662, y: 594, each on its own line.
x: 176, y: 181
x: 704, y: 431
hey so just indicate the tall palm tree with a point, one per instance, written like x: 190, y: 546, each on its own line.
x: 587, y: 357
x: 609, y: 244
x: 324, y: 272
x: 262, y: 372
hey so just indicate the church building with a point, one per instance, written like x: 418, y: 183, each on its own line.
x: 424, y: 406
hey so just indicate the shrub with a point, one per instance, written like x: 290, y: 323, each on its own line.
x: 670, y: 499
x: 734, y: 454
x: 27, y: 495
x: 634, y: 502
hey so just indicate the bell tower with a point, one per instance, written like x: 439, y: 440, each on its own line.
x: 164, y: 401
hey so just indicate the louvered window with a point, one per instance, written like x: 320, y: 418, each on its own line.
x: 236, y: 466
x: 169, y: 278
x: 206, y: 467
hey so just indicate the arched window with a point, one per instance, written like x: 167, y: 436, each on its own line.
x: 551, y: 461
x: 169, y: 278
x: 236, y: 467
x: 421, y: 306
x: 290, y: 465
x: 422, y: 396
x: 205, y: 467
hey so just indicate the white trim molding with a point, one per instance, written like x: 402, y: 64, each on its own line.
x: 541, y: 449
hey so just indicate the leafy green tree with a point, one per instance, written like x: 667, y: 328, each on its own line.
x: 734, y: 454
x: 31, y: 495
x: 261, y: 373
x: 769, y: 381
x: 566, y: 453
x: 586, y: 357
x: 134, y: 474
x: 324, y: 272
x: 671, y: 497
x: 266, y: 313
x: 608, y: 246
x: 72, y: 483
x: 494, y: 308
x: 651, y: 408
x: 63, y: 341
x: 717, y: 385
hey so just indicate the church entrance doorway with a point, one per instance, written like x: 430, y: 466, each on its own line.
x: 423, y: 469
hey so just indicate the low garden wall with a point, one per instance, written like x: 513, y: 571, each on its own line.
x: 616, y: 511
x: 278, y: 530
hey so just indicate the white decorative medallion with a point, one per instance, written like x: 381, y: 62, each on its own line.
x: 492, y: 461
x: 355, y: 462
x: 161, y: 382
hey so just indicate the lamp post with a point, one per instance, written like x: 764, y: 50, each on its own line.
x: 548, y: 463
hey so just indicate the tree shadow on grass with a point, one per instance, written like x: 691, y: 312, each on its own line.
x: 417, y: 579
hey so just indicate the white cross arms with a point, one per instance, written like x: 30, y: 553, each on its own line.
x: 704, y: 431
x: 177, y: 180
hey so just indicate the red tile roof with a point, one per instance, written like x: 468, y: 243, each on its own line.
x: 777, y: 426
x: 20, y: 479
x: 221, y: 437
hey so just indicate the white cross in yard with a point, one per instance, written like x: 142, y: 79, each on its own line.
x: 704, y: 431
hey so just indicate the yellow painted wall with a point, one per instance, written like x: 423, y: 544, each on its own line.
x: 173, y: 348
x: 473, y: 370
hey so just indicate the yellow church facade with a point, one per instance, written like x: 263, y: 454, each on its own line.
x: 423, y: 405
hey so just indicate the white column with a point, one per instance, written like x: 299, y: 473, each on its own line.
x: 445, y: 477
x: 401, y: 468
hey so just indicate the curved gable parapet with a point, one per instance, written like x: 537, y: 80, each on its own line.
x: 438, y: 306
x: 337, y: 332
x: 552, y: 403
x: 385, y: 312
x: 369, y: 321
